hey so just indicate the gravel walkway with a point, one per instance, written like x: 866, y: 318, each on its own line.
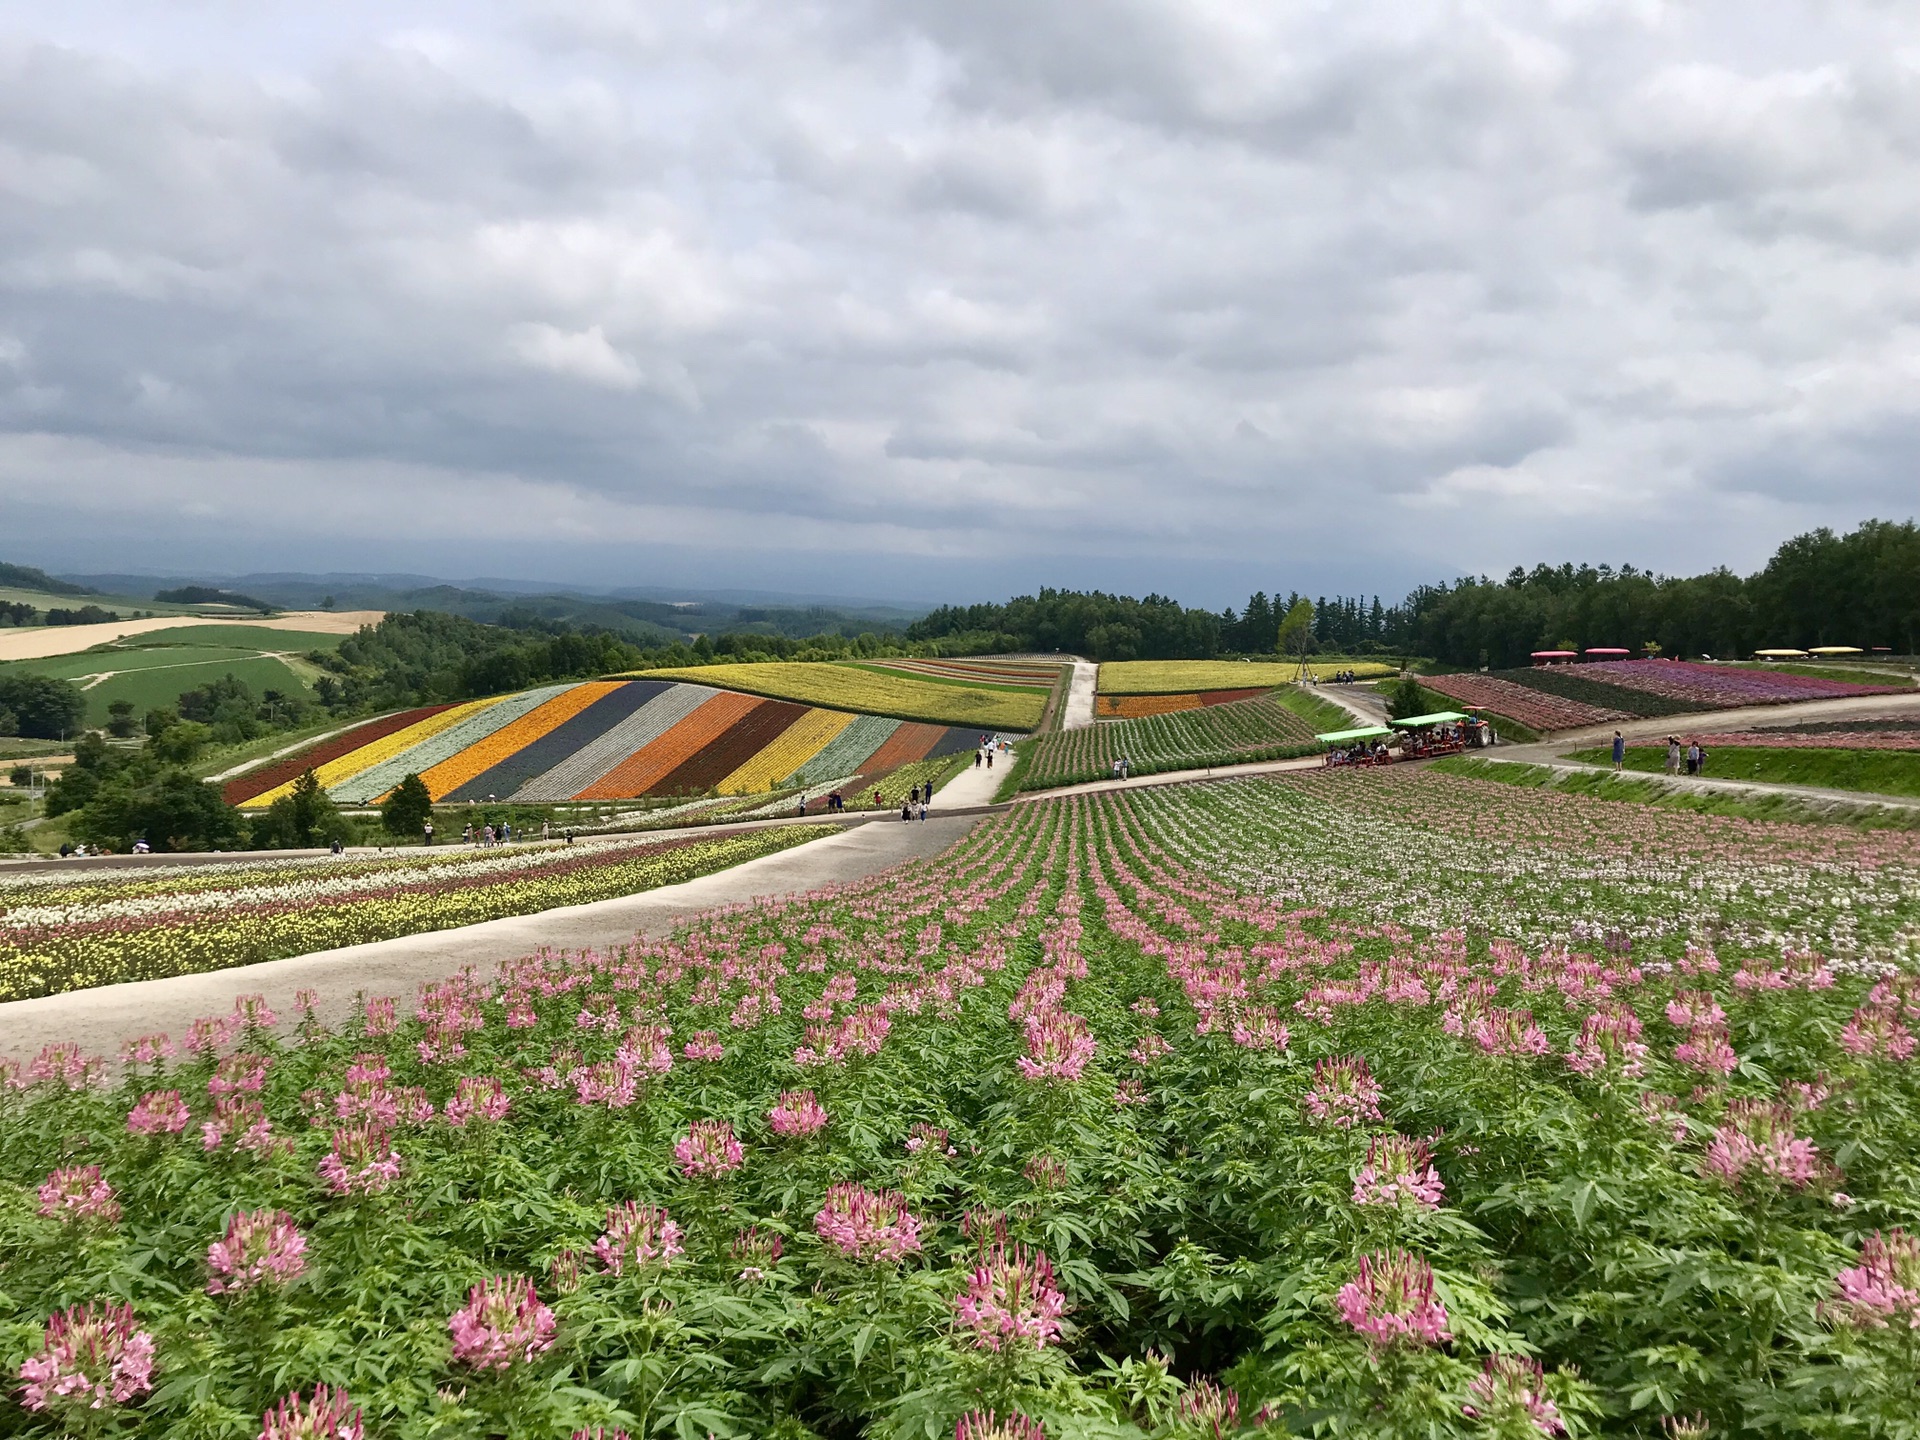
x: 1078, y: 712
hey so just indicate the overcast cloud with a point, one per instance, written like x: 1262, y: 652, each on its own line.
x: 942, y: 298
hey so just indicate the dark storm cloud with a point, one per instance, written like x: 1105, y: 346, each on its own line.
x: 1123, y: 292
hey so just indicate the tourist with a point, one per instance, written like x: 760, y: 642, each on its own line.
x: 801, y: 807
x: 876, y: 797
x: 466, y: 835
x: 1619, y: 750
x: 1673, y: 755
x: 989, y: 759
x: 65, y: 850
x: 1693, y: 757
x: 426, y: 833
x: 544, y: 834
x: 978, y: 757
x: 923, y: 807
x: 906, y: 810
x: 1700, y: 761
x: 569, y: 834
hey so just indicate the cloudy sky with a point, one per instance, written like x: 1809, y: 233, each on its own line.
x: 944, y: 298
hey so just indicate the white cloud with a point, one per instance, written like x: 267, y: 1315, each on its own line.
x: 1364, y: 294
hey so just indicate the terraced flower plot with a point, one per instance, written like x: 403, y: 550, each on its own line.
x: 1234, y: 732
x: 1672, y: 687
x: 1171, y: 677
x: 1137, y: 707
x: 605, y: 740
x: 1535, y: 709
x: 947, y: 697
x: 1386, y: 1105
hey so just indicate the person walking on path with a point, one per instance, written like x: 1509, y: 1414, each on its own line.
x: 1693, y: 757
x: 1673, y: 754
x: 978, y: 756
x: 1619, y: 750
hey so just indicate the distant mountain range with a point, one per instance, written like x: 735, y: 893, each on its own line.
x: 647, y: 615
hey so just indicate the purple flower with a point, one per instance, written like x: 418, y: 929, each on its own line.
x: 1510, y: 1393
x: 326, y: 1415
x: 502, y: 1324
x: 261, y: 1247
x: 867, y: 1224
x: 158, y: 1112
x: 92, y: 1355
x: 79, y: 1195
x: 1012, y: 1299
x: 636, y: 1233
x: 1391, y: 1300
x: 362, y: 1160
x: 798, y: 1115
x: 708, y: 1151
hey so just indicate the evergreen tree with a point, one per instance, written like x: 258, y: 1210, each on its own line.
x: 407, y: 809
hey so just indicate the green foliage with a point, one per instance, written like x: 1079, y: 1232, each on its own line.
x: 180, y: 743
x: 1406, y: 699
x: 303, y: 820
x: 120, y: 719
x: 232, y: 714
x: 1879, y: 772
x: 27, y: 577
x: 407, y: 808
x: 209, y: 595
x: 1107, y: 627
x: 118, y: 796
x: 43, y: 707
x: 1295, y: 635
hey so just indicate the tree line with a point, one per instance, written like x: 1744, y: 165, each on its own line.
x: 1821, y: 588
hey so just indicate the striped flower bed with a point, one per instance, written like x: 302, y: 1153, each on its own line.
x: 1816, y: 740
x: 610, y: 740
x: 285, y: 772
x: 1721, y: 687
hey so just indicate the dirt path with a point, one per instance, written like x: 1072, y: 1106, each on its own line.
x: 1077, y: 714
x: 1367, y: 706
x: 102, y: 1018
x: 39, y: 643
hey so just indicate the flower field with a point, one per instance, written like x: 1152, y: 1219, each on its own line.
x: 605, y: 740
x: 1240, y: 730
x: 1397, y: 1104
x: 1174, y: 677
x: 1021, y: 674
x: 56, y: 934
x: 1138, y: 707
x: 1535, y: 709
x: 1673, y: 687
x: 944, y: 698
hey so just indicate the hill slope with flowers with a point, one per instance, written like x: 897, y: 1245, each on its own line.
x: 605, y: 740
x: 1223, y: 1109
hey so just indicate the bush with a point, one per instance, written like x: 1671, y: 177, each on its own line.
x: 304, y: 820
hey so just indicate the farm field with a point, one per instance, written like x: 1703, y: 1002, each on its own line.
x: 1538, y: 710
x: 44, y: 642
x: 1214, y: 1110
x: 873, y: 691
x: 1884, y: 771
x: 151, y: 670
x: 1651, y: 688
x: 1015, y: 674
x: 1166, y: 677
x: 604, y: 740
x: 59, y: 932
x: 1231, y: 733
x: 1138, y: 707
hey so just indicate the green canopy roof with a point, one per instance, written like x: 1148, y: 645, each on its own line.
x: 1337, y: 737
x: 1442, y: 717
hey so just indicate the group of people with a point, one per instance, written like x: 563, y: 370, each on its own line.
x: 1122, y: 768
x: 1684, y: 757
x: 1360, y: 754
x: 1344, y: 677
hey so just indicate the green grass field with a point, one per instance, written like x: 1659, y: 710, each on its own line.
x: 124, y: 604
x: 151, y: 670
x: 1876, y: 772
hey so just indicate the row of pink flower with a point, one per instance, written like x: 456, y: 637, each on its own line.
x: 1719, y: 687
x: 1863, y: 739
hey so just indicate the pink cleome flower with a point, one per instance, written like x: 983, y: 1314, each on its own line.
x: 362, y: 1160
x: 1344, y: 1093
x: 925, y: 1139
x: 1507, y: 1032
x: 476, y: 1097
x: 1884, y: 1288
x: 79, y: 1194
x: 158, y: 1112
x: 1398, y: 1169
x: 1757, y: 1143
x: 1609, y: 1043
x: 1510, y: 1392
x: 261, y: 1247
x: 1391, y: 1300
x: 1012, y: 1299
x: 756, y: 1253
x: 239, y: 1073
x: 867, y: 1224
x: 242, y: 1120
x: 91, y: 1356
x: 1210, y: 1409
x: 502, y: 1324
x: 798, y: 1115
x: 1059, y: 1045
x: 708, y: 1151
x: 325, y: 1415
x: 987, y: 1425
x: 704, y: 1045
x: 637, y: 1234
x: 1875, y: 1030
x: 1708, y: 1051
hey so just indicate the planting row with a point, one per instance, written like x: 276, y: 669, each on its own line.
x: 56, y: 935
x: 1241, y: 730
x: 1196, y: 1112
x: 605, y: 740
x: 1535, y: 709
x: 1135, y: 707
